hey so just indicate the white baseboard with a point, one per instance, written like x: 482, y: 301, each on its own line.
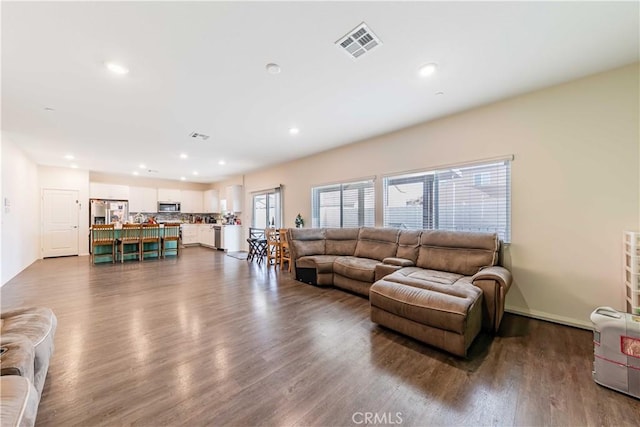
x: 541, y: 315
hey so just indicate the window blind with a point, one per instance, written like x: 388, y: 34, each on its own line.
x: 344, y: 205
x: 466, y: 198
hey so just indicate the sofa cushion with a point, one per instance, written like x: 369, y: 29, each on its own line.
x: 307, y: 241
x: 322, y: 263
x: 377, y: 243
x: 457, y: 252
x: 437, y: 308
x: 341, y: 241
x: 409, y: 244
x: 362, y: 269
x: 424, y: 278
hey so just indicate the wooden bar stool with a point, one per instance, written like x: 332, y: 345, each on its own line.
x: 129, y: 236
x: 103, y: 235
x: 150, y: 235
x: 285, y: 254
x: 273, y: 245
x: 171, y: 234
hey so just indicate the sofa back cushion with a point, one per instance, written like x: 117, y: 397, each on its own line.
x: 457, y: 252
x: 341, y: 241
x: 409, y: 244
x: 307, y: 241
x: 377, y: 243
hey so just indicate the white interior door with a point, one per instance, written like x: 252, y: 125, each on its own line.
x: 60, y: 223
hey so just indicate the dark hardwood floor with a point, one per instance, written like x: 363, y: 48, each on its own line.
x: 207, y: 339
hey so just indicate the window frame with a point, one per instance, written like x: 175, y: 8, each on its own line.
x: 361, y: 185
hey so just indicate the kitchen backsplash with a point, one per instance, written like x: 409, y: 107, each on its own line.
x: 175, y: 217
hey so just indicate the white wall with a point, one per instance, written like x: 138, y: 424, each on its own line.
x: 21, y: 220
x: 575, y: 185
x: 70, y: 179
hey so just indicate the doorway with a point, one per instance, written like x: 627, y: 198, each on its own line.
x: 60, y: 223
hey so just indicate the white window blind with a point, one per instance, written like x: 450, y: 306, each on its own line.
x: 465, y: 198
x: 343, y: 205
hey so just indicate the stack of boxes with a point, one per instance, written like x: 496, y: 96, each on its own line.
x: 631, y: 273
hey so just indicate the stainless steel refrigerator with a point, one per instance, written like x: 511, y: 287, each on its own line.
x: 106, y: 212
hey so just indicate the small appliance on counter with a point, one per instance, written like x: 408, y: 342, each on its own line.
x: 229, y: 219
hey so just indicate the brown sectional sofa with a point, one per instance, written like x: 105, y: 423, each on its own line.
x: 26, y: 346
x: 440, y: 287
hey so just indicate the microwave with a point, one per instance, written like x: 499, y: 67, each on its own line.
x: 168, y: 206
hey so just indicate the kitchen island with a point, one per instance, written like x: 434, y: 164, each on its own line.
x: 103, y: 253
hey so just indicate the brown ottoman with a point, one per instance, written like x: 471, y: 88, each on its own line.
x: 448, y: 316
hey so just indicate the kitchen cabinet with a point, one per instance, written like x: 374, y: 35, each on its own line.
x: 189, y: 234
x: 231, y: 238
x: 191, y: 201
x: 234, y: 198
x: 98, y: 190
x: 206, y: 235
x: 168, y: 195
x: 143, y: 199
x: 211, y: 202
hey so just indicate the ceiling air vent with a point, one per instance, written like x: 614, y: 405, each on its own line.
x: 199, y: 136
x: 358, y: 41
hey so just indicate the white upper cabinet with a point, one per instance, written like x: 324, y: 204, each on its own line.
x: 234, y: 198
x: 98, y: 190
x: 168, y: 195
x: 211, y: 202
x: 191, y: 201
x: 143, y: 199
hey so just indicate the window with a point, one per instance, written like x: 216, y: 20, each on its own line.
x: 466, y: 198
x: 267, y: 211
x: 343, y: 205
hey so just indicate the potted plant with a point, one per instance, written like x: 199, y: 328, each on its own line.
x: 299, y: 221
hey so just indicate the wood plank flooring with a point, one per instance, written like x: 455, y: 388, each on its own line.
x: 207, y: 339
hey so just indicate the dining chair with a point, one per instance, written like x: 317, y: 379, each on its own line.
x: 285, y: 254
x: 150, y: 240
x: 171, y: 234
x: 103, y: 235
x: 129, y: 236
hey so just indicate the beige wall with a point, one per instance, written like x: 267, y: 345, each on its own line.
x: 575, y: 184
x: 21, y: 220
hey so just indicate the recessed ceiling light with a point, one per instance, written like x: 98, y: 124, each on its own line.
x: 273, y: 68
x: 195, y: 172
x: 135, y: 173
x: 183, y: 156
x: 116, y: 68
x: 69, y: 157
x: 427, y: 69
x: 222, y: 162
x: 74, y: 166
x: 182, y: 178
x: 142, y: 166
x: 294, y: 131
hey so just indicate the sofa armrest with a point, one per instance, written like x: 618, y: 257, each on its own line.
x: 399, y: 262
x: 495, y: 282
x: 497, y: 273
x: 383, y: 270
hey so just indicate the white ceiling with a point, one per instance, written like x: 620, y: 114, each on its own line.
x: 201, y: 67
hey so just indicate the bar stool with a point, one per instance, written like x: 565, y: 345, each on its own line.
x: 103, y: 235
x: 285, y: 254
x: 171, y: 234
x: 273, y: 245
x: 151, y: 236
x: 129, y: 236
